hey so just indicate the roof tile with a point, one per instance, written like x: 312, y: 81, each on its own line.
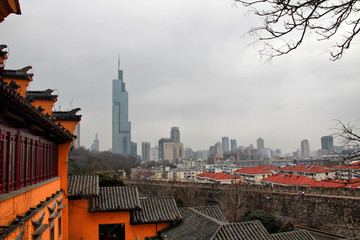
x: 293, y: 235
x: 113, y: 199
x: 83, y: 185
x: 194, y: 225
x: 210, y: 210
x: 156, y: 210
x: 252, y: 230
x: 288, y: 179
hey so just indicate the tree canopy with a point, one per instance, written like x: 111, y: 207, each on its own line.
x: 291, y: 20
x: 83, y: 161
x: 266, y: 218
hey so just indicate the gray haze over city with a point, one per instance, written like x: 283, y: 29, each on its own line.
x: 187, y: 64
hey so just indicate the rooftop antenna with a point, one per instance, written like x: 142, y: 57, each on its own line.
x: 119, y: 76
x: 118, y: 61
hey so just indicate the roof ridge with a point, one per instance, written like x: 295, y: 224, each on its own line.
x: 27, y: 110
x: 218, y: 222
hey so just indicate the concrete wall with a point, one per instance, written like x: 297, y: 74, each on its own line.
x: 330, y: 210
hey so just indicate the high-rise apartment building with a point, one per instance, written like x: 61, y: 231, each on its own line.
x: 162, y: 141
x: 145, y: 151
x: 305, y: 148
x: 218, y: 148
x: 225, y: 144
x: 121, y: 127
x: 174, y: 152
x: 327, y: 142
x: 95, y: 145
x: 133, y: 149
x: 278, y: 152
x: 175, y: 134
x: 154, y: 153
x: 233, y: 144
x: 189, y: 153
x: 260, y: 145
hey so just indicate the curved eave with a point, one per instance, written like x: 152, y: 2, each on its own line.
x: 14, y: 107
x: 7, y: 7
x: 76, y: 118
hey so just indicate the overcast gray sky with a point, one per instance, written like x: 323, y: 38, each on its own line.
x: 186, y: 64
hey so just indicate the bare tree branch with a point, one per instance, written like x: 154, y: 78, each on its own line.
x: 328, y: 19
x: 349, y: 135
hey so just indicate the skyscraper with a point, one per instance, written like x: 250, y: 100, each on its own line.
x: 218, y: 148
x: 121, y: 127
x: 175, y: 135
x: 327, y: 142
x: 133, y: 148
x: 233, y: 144
x: 305, y: 148
x: 145, y: 151
x: 260, y: 145
x: 225, y: 144
x: 162, y: 141
x: 95, y: 145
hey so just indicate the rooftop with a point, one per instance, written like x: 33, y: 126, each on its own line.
x: 32, y: 96
x: 293, y: 235
x: 18, y: 110
x: 19, y: 74
x: 210, y: 210
x: 67, y: 115
x: 114, y: 199
x: 218, y: 176
x: 194, y: 225
x: 83, y: 185
x: 288, y: 179
x: 252, y: 230
x: 156, y: 210
x: 338, y: 183
x: 306, y: 168
x: 253, y: 170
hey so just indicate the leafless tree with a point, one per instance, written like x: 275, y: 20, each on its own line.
x: 291, y: 20
x: 349, y: 134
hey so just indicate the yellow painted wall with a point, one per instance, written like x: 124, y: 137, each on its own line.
x: 29, y: 229
x: 45, y: 104
x: 20, y: 204
x: 85, y: 225
x: 22, y: 83
x: 69, y: 125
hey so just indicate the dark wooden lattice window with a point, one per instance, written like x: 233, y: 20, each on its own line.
x: 25, y: 159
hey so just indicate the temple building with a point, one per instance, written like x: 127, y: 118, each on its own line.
x: 34, y: 146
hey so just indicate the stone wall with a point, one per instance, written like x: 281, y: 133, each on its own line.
x: 330, y: 210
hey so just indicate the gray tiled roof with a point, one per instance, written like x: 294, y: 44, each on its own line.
x: 15, y: 104
x: 19, y: 74
x: 83, y: 185
x: 293, y: 235
x: 155, y: 210
x: 40, y: 95
x: 210, y: 210
x: 252, y: 230
x: 113, y: 199
x: 194, y: 226
x: 67, y: 115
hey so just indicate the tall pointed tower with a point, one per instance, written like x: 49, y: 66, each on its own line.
x: 121, y: 127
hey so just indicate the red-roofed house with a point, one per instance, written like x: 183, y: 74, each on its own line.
x: 347, y: 171
x: 288, y: 179
x: 253, y: 175
x: 316, y: 172
x: 223, y: 178
x: 338, y: 183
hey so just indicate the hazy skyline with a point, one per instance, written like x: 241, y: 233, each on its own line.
x: 186, y: 64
